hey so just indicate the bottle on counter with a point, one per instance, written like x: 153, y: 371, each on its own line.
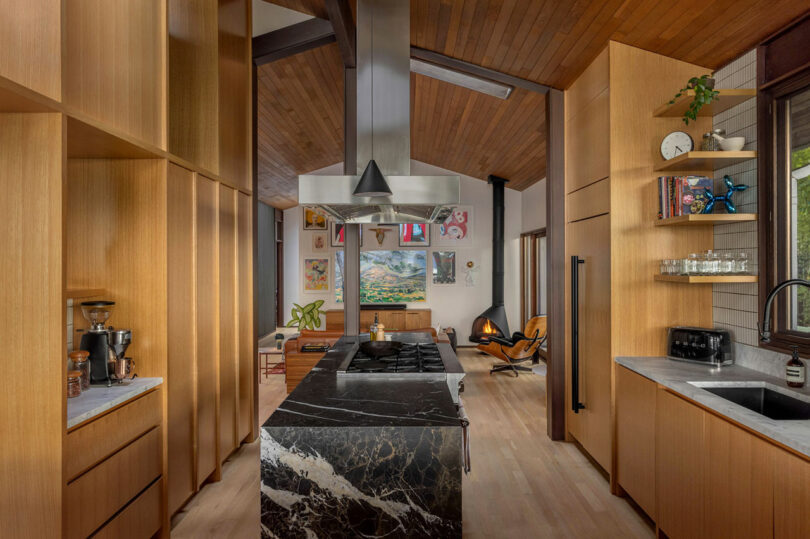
x: 796, y: 371
x: 372, y: 331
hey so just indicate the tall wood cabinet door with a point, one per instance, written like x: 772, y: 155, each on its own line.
x: 739, y: 482
x: 680, y: 456
x: 227, y: 321
x: 590, y: 240
x: 635, y: 437
x: 247, y: 362
x: 180, y: 377
x: 207, y: 320
x: 791, y: 496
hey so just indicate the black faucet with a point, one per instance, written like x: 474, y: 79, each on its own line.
x: 765, y: 328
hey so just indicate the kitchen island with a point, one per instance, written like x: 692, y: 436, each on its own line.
x: 352, y: 455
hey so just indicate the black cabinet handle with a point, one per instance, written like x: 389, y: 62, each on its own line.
x: 576, y: 406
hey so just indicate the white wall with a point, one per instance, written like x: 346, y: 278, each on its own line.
x: 533, y: 204
x: 453, y: 305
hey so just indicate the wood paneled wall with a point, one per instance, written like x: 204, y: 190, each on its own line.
x: 115, y: 119
x: 32, y: 329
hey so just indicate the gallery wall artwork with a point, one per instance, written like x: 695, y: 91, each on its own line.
x: 314, y: 219
x: 414, y: 235
x: 319, y: 242
x: 337, y: 233
x: 457, y: 229
x: 387, y: 276
x: 444, y: 267
x: 316, y: 275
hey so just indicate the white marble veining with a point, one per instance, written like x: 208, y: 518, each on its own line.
x: 99, y: 399
x: 680, y: 377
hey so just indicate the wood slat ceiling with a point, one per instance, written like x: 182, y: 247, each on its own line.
x: 547, y: 41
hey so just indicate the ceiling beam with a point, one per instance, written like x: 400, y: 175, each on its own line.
x: 340, y: 15
x: 291, y: 40
x: 478, y: 71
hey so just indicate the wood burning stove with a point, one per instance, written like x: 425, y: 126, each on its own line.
x: 492, y: 322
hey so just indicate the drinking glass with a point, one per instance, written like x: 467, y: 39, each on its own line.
x: 741, y: 263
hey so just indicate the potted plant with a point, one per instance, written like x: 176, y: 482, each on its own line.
x: 307, y: 317
x: 705, y: 93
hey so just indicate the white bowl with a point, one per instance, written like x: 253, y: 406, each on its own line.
x: 732, y: 144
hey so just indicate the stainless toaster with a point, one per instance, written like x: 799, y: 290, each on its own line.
x: 700, y: 345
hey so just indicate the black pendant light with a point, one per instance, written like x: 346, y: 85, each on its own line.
x: 372, y: 183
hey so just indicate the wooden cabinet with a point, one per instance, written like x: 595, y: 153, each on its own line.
x: 139, y: 519
x: 713, y: 478
x: 247, y: 352
x: 298, y: 366
x: 180, y: 383
x: 791, y: 500
x: 402, y: 319
x: 739, y: 488
x: 610, y: 199
x: 590, y: 240
x: 680, y: 457
x: 207, y: 333
x: 635, y: 437
x: 227, y: 322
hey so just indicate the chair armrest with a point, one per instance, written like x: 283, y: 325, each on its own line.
x: 501, y: 341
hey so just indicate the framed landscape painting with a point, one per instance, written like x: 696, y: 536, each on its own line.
x: 316, y: 275
x: 314, y: 219
x: 457, y: 229
x: 387, y: 276
x: 414, y: 235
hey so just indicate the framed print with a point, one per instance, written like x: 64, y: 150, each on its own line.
x: 414, y: 235
x: 319, y: 242
x: 314, y: 219
x: 338, y: 236
x: 457, y: 229
x: 444, y: 267
x: 316, y: 275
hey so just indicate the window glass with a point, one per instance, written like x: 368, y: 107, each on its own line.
x: 798, y: 236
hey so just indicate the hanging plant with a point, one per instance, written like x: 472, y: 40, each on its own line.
x: 705, y: 93
x: 307, y: 317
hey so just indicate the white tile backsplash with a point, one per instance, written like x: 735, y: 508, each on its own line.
x: 735, y: 305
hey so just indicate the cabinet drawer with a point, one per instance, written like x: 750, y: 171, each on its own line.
x: 91, y: 443
x: 139, y: 519
x: 98, y: 494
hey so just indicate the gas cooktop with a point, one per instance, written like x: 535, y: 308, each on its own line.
x: 412, y: 358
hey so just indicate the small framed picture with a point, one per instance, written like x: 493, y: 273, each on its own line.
x: 414, y: 235
x: 319, y: 242
x: 338, y: 234
x: 457, y: 229
x: 444, y: 267
x: 316, y: 275
x: 314, y: 219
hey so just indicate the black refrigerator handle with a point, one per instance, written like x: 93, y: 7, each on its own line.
x: 576, y: 406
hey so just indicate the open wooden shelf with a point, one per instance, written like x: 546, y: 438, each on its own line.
x: 703, y: 219
x: 707, y: 279
x: 83, y: 293
x: 727, y: 99
x: 699, y: 161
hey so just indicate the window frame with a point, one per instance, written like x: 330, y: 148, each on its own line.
x: 776, y: 83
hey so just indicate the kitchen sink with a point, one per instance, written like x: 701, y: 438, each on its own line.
x: 762, y: 400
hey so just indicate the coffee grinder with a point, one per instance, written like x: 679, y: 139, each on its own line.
x: 96, y: 340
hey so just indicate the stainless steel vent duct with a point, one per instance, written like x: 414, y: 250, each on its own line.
x: 383, y: 131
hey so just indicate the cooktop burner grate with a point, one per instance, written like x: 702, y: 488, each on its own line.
x: 412, y: 358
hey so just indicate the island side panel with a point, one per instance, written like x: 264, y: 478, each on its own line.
x: 361, y: 481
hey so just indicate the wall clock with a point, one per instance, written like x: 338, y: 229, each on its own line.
x: 675, y: 144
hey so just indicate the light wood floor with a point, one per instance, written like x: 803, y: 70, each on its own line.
x: 522, y: 484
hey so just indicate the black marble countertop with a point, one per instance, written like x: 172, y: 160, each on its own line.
x: 323, y: 399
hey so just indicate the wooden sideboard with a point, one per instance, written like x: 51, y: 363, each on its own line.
x: 402, y: 319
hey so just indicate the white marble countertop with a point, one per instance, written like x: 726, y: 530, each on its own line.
x: 99, y: 399
x: 676, y: 375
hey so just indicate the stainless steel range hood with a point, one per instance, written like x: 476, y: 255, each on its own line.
x: 383, y: 131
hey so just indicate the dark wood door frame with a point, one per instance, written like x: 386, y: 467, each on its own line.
x: 529, y: 280
x: 555, y: 263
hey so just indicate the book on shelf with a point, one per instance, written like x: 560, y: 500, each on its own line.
x: 682, y: 195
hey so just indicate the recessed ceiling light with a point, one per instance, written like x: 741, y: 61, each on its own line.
x: 478, y: 84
